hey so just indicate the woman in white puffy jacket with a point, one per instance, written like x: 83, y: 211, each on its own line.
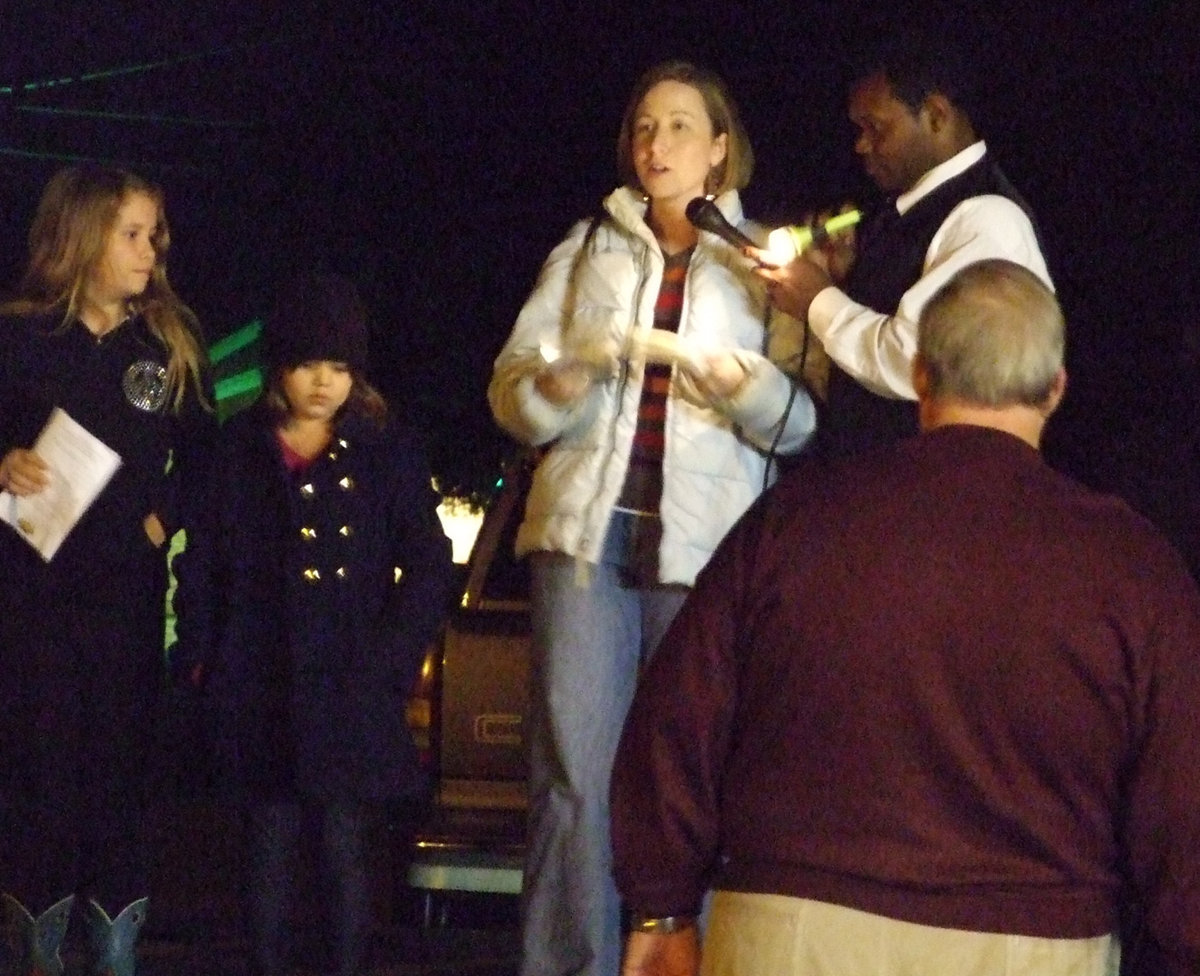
x: 648, y: 362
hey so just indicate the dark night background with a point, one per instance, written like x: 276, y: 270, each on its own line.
x: 436, y: 152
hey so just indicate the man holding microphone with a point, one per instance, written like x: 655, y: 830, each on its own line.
x: 948, y: 204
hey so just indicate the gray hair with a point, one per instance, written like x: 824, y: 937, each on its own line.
x: 992, y: 336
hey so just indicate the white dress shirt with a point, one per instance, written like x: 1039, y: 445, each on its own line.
x: 877, y: 349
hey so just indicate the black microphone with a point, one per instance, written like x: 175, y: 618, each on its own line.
x: 707, y: 216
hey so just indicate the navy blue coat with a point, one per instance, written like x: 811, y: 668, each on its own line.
x: 290, y: 600
x: 81, y: 637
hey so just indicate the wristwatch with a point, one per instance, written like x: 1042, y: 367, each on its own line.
x: 661, y: 925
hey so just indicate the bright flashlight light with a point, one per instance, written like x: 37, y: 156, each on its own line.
x: 784, y: 243
x: 461, y: 524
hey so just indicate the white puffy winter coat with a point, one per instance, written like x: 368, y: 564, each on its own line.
x: 716, y: 453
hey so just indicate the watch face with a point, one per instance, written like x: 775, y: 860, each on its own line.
x: 145, y: 385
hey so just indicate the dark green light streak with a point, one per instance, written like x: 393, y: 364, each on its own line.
x: 131, y: 117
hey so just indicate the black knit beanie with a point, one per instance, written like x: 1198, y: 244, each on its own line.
x: 316, y: 317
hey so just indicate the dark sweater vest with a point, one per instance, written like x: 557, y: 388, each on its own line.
x: 890, y: 260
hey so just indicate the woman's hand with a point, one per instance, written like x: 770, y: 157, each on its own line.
x: 563, y: 382
x: 716, y: 375
x: 22, y: 472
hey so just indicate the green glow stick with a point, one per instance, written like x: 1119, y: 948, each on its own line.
x: 244, y: 382
x: 234, y: 341
x: 806, y: 235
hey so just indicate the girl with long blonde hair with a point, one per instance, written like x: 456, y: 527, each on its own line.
x: 94, y: 331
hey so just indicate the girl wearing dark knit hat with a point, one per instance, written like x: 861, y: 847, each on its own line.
x: 305, y: 605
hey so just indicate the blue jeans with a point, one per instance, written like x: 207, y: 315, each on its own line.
x: 276, y: 830
x: 589, y: 642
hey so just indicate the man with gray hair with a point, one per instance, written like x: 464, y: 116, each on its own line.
x: 932, y: 709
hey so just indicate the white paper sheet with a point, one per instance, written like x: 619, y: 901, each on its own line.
x: 80, y: 466
x: 668, y: 348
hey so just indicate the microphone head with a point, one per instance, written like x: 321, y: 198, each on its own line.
x: 706, y: 215
x: 700, y: 210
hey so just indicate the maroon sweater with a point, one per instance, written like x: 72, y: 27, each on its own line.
x: 941, y: 683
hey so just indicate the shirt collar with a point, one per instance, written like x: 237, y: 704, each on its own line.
x: 952, y: 167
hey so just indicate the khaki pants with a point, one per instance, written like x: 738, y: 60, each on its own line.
x: 773, y: 935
